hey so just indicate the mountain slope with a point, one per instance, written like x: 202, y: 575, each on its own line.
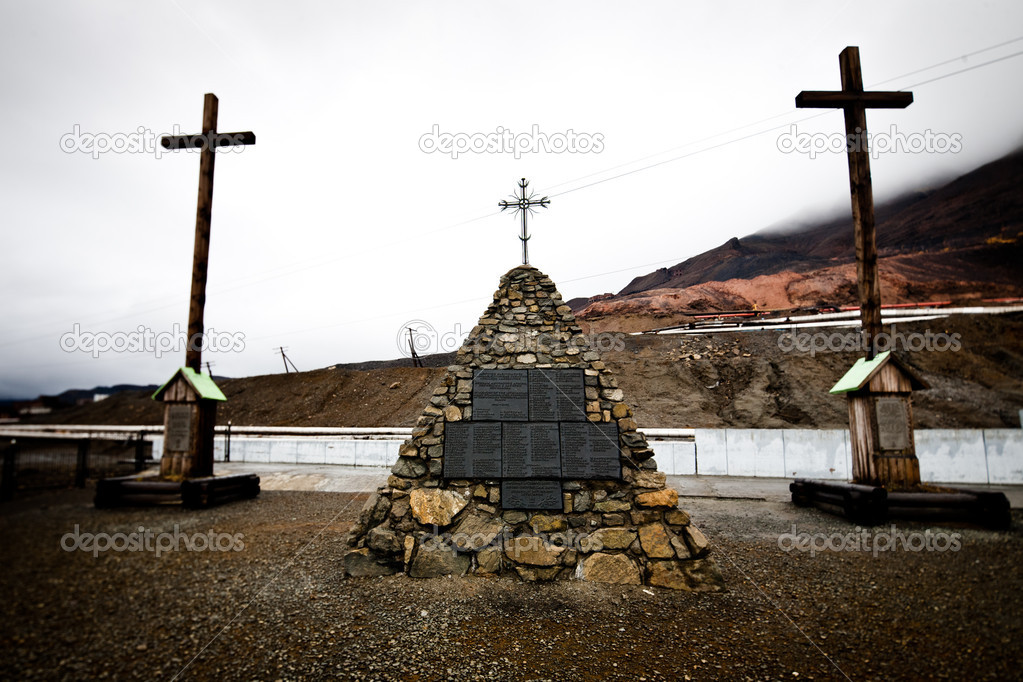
x: 962, y: 238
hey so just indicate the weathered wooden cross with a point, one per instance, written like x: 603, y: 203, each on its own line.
x: 524, y: 203
x: 879, y: 386
x: 208, y: 140
x: 855, y: 102
x: 190, y: 397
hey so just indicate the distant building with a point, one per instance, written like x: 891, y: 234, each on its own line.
x: 33, y: 407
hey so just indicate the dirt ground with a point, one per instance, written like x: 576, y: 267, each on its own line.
x: 278, y: 608
x: 742, y: 380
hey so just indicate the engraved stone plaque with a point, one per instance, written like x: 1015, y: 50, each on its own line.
x: 530, y: 450
x: 531, y: 495
x: 500, y: 395
x: 472, y: 450
x: 179, y: 428
x: 892, y: 424
x: 557, y: 395
x: 590, y: 451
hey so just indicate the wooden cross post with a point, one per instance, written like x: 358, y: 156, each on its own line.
x: 524, y: 203
x: 190, y: 398
x: 208, y: 141
x: 855, y: 102
x: 880, y: 413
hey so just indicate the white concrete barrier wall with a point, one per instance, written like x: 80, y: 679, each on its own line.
x: 816, y: 454
x: 983, y: 456
x: 304, y: 450
x: 952, y: 455
x: 1002, y: 448
x: 675, y: 458
x: 711, y: 452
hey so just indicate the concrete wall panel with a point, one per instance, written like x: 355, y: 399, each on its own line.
x: 283, y: 450
x: 951, y: 455
x: 341, y: 452
x: 311, y: 452
x: 815, y: 454
x: 711, y: 452
x: 1004, y: 455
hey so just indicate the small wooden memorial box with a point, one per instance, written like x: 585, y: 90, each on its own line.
x: 881, y: 421
x: 189, y: 419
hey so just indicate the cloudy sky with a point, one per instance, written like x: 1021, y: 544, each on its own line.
x: 348, y: 220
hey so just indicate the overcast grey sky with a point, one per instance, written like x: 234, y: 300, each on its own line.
x: 337, y: 230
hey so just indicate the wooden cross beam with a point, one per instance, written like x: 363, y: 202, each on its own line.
x: 208, y: 140
x: 524, y: 203
x: 855, y: 102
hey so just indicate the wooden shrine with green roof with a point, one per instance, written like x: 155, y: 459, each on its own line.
x: 881, y: 421
x: 189, y: 418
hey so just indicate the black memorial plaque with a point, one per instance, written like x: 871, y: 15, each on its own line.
x: 530, y: 450
x: 892, y: 423
x: 500, y: 395
x: 472, y: 450
x: 533, y: 494
x: 179, y: 428
x: 590, y: 451
x: 556, y: 395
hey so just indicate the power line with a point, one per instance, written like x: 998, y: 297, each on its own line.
x: 746, y: 137
x: 969, y: 68
x: 947, y: 61
x: 665, y: 151
x: 686, y: 156
x: 476, y: 299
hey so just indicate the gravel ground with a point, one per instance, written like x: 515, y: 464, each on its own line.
x: 278, y: 609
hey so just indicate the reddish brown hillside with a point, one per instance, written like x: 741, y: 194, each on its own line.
x: 907, y: 278
x: 962, y: 241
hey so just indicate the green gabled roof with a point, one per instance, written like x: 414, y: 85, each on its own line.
x: 860, y: 373
x: 864, y: 370
x: 202, y: 384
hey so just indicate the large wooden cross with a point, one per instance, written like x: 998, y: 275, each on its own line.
x: 855, y: 102
x: 524, y: 203
x: 190, y: 413
x: 208, y: 140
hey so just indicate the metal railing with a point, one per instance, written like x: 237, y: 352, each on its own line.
x: 40, y: 462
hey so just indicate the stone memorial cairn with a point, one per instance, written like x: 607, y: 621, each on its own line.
x: 569, y: 490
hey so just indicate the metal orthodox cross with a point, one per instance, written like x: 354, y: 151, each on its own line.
x: 524, y: 203
x: 855, y: 102
x: 208, y: 140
